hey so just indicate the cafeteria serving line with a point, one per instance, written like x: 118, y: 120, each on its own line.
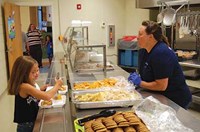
x: 95, y: 48
x: 62, y: 118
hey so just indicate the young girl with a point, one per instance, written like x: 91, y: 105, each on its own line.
x: 49, y: 48
x: 22, y: 84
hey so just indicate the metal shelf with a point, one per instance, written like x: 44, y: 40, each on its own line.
x: 191, y: 63
x: 193, y: 83
x: 131, y: 67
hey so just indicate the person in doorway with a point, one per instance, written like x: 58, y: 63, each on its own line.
x: 159, y: 68
x: 49, y: 45
x: 24, y: 73
x: 25, y: 44
x: 35, y: 43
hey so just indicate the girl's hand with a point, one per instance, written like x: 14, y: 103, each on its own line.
x: 59, y: 81
x: 43, y: 88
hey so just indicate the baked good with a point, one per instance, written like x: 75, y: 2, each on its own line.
x: 58, y: 97
x: 62, y: 88
x: 119, y: 122
x: 46, y: 103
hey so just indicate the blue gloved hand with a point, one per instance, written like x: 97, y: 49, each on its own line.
x: 135, y: 79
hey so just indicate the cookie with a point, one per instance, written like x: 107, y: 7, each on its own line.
x: 102, y: 130
x: 129, y: 129
x: 98, y: 125
x: 117, y: 130
x: 119, y: 118
x: 89, y: 130
x: 88, y: 124
x: 123, y: 124
x: 141, y: 128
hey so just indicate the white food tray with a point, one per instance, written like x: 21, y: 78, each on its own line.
x: 59, y: 91
x: 55, y: 103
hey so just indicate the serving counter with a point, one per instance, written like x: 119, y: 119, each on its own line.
x: 61, y: 119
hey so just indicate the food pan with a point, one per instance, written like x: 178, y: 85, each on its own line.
x: 109, y: 99
x: 118, y: 82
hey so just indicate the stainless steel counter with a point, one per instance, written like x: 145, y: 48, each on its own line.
x: 183, y: 115
x: 61, y: 119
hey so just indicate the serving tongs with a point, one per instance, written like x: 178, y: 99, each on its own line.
x: 104, y: 113
x: 57, y: 77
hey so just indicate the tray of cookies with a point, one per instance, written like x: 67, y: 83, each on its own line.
x: 57, y: 101
x: 126, y: 121
x: 118, y: 82
x: 62, y: 90
x: 106, y: 98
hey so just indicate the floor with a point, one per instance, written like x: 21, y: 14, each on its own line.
x: 43, y: 73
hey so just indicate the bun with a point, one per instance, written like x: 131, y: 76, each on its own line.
x: 58, y: 97
x: 62, y: 88
x: 46, y: 103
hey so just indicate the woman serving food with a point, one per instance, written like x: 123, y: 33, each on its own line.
x: 159, y: 68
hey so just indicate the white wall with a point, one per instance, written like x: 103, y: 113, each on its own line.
x: 25, y: 18
x: 49, y: 13
x: 97, y: 11
x: 134, y: 17
x: 122, y: 13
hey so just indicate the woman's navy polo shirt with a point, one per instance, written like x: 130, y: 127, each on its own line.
x: 161, y: 63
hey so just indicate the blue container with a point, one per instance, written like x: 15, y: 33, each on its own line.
x: 135, y: 58
x: 122, y: 58
x: 128, y: 58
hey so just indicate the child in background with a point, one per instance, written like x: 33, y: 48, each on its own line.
x: 49, y: 45
x: 24, y: 73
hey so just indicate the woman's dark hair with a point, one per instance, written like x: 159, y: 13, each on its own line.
x: 29, y: 27
x: 155, y: 29
x: 20, y: 73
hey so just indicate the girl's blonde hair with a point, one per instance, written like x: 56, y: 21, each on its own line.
x: 20, y: 73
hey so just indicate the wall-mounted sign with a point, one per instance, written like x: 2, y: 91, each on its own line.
x: 11, y: 28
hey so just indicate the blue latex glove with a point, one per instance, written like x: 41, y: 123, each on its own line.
x: 135, y: 79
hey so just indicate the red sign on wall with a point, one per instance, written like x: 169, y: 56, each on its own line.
x: 78, y: 6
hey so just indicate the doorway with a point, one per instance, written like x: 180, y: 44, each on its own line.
x: 41, y: 17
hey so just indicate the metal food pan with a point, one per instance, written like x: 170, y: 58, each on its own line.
x: 91, y: 67
x: 106, y: 104
x: 94, y: 69
x: 100, y: 88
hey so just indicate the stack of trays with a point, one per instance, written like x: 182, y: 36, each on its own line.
x: 110, y: 92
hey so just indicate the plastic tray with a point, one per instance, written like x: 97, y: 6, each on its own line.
x: 59, y: 91
x: 55, y: 103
